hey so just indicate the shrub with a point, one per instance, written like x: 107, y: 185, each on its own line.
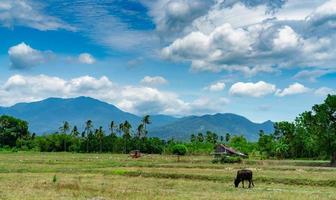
x: 179, y: 149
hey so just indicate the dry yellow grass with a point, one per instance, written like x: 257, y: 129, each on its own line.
x: 94, y: 176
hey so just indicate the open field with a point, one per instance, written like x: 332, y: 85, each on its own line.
x: 105, y: 176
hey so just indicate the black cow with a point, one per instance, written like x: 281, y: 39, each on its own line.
x: 243, y: 175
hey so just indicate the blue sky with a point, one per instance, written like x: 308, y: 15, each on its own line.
x: 264, y: 59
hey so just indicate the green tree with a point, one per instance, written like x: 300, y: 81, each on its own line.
x: 240, y: 143
x: 145, y: 121
x: 100, y: 136
x: 227, y: 137
x: 12, y: 129
x: 87, y: 132
x: 200, y: 137
x: 281, y: 148
x: 323, y: 117
x: 140, y: 130
x: 113, y: 128
x: 286, y: 132
x: 126, y: 128
x: 74, y: 132
x: 211, y: 137
x: 64, y: 129
x: 179, y: 150
x: 266, y: 144
x: 193, y: 138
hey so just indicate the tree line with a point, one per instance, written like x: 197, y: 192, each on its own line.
x: 311, y: 135
x: 120, y: 139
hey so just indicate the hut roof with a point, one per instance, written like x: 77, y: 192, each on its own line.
x: 221, y: 148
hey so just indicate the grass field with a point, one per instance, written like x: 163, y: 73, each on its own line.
x: 105, y: 176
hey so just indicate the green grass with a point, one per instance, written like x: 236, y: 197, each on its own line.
x: 30, y: 175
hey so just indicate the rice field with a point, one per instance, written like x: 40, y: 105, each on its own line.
x: 33, y: 175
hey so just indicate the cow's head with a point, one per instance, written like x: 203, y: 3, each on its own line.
x: 236, y: 182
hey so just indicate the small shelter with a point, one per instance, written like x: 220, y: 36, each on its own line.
x: 222, y: 149
x: 135, y: 154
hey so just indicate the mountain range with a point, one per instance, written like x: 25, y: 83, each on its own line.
x: 47, y: 115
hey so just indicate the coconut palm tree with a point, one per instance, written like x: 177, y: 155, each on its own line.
x: 64, y: 129
x: 88, y: 132
x: 140, y: 130
x: 126, y: 129
x: 74, y: 132
x: 145, y: 122
x: 100, y: 135
x: 112, y: 128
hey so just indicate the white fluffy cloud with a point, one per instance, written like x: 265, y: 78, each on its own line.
x: 135, y: 99
x: 173, y: 16
x: 286, y: 39
x: 86, y: 58
x: 218, y: 40
x: 257, y: 89
x: 23, y: 56
x: 29, y: 14
x: 153, y: 80
x: 295, y: 88
x: 218, y: 86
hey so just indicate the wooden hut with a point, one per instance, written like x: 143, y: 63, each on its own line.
x: 222, y: 149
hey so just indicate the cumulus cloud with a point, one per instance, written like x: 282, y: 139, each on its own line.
x: 218, y: 86
x: 22, y: 56
x: 324, y: 15
x: 153, y: 80
x: 251, y: 89
x: 135, y: 99
x: 286, y: 39
x: 218, y: 41
x: 295, y: 88
x: 173, y: 16
x: 86, y: 58
x: 29, y: 14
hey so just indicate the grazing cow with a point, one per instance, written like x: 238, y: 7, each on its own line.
x: 243, y: 175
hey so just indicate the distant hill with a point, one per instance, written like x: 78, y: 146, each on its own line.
x: 219, y: 123
x: 47, y: 115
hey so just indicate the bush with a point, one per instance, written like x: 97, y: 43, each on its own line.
x: 227, y: 159
x: 179, y: 149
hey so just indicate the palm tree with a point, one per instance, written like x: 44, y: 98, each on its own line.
x: 121, y: 128
x: 74, y: 132
x: 227, y: 137
x: 112, y: 128
x: 88, y: 131
x: 140, y: 130
x: 145, y: 122
x: 126, y: 129
x: 100, y: 135
x: 64, y: 130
